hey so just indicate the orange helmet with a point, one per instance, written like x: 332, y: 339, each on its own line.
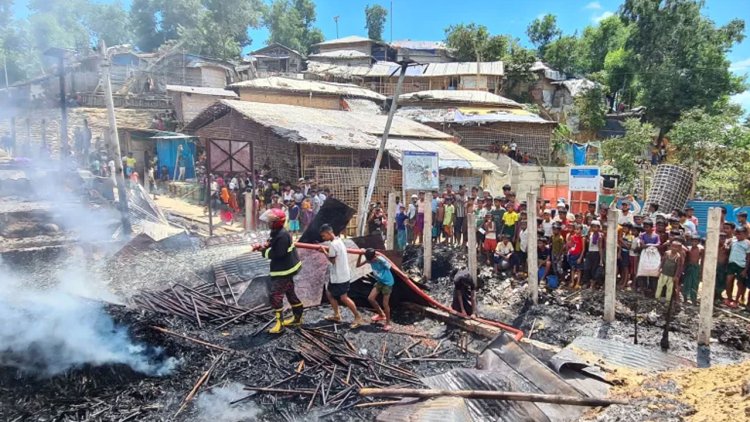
x: 274, y: 217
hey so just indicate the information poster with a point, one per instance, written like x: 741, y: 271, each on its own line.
x: 421, y: 171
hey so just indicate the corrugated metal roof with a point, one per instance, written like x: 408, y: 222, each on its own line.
x: 387, y: 69
x: 458, y: 97
x: 618, y: 354
x: 464, y: 68
x: 341, y: 54
x: 275, y: 45
x: 452, y: 155
x: 218, y: 92
x: 577, y: 87
x: 419, y: 45
x: 278, y: 83
x: 347, y: 129
x: 549, y: 72
x: 316, y: 125
x: 346, y: 40
x: 461, y: 116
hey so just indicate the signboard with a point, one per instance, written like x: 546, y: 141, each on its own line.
x: 583, y: 185
x: 421, y: 171
x: 584, y: 178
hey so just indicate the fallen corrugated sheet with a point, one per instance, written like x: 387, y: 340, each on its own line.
x: 503, y: 366
x: 278, y: 83
x: 613, y: 353
x: 441, y: 409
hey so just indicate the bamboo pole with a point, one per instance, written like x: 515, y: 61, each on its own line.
x: 471, y: 236
x: 489, y: 395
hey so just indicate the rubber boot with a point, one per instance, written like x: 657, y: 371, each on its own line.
x: 296, y: 319
x: 278, y: 327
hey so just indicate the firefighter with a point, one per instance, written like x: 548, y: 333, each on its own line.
x: 285, y: 264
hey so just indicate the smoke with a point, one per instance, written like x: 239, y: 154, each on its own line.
x: 214, y: 405
x: 48, y: 332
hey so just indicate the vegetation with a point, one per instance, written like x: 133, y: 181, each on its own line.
x: 375, y: 20
x: 624, y: 153
x: 542, y: 31
x: 290, y: 23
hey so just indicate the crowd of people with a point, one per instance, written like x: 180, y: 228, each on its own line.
x: 658, y: 253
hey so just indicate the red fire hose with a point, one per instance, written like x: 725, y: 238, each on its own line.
x: 517, y: 334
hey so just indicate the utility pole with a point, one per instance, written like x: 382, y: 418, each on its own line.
x: 59, y: 53
x: 381, y: 150
x: 336, y: 19
x: 114, y: 140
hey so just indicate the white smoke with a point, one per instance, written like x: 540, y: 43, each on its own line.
x: 48, y: 332
x: 214, y: 405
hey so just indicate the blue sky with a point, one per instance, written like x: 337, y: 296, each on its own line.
x: 427, y: 20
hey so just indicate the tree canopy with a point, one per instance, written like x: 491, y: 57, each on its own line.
x: 290, y: 22
x: 541, y: 32
x: 375, y: 21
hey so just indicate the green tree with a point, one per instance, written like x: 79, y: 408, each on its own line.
x: 624, y: 152
x: 596, y: 42
x: 591, y: 109
x: 158, y: 21
x: 680, y: 57
x: 222, y: 28
x: 541, y: 32
x: 715, y: 146
x: 108, y: 21
x: 562, y: 54
x: 374, y: 21
x: 468, y: 42
x: 291, y: 23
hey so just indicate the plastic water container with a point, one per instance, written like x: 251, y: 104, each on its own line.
x: 552, y: 281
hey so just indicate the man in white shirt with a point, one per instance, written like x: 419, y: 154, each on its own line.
x: 337, y: 289
x: 625, y: 214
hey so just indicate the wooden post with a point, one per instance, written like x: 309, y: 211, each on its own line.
x: 471, y: 233
x: 427, y: 237
x: 249, y: 211
x: 531, y: 247
x: 390, y: 234
x: 707, y: 289
x: 610, y: 266
x: 362, y: 208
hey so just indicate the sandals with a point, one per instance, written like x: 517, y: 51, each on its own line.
x: 387, y: 327
x: 333, y: 318
x: 377, y: 318
x: 357, y: 323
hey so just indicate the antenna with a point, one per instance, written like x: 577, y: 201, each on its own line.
x: 336, y: 19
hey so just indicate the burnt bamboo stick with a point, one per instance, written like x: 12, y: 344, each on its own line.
x: 226, y: 279
x: 197, y: 385
x: 197, y: 315
x: 407, y: 348
x: 194, y: 340
x: 306, y: 391
x: 489, y: 395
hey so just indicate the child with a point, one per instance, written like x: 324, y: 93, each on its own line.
x: 503, y: 253
x: 625, y: 239
x: 671, y: 267
x: 449, y: 213
x: 464, y: 293
x: 294, y: 215
x: 694, y: 267
x: 722, y: 260
x: 381, y: 269
x: 558, y: 250
x: 739, y: 254
x: 544, y: 257
x: 401, y: 218
x: 510, y: 218
x: 490, y: 237
x: 574, y: 246
x: 594, y: 246
x: 522, y: 243
x: 338, y: 287
x: 633, y: 254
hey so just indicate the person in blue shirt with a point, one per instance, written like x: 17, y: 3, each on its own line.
x: 401, y: 218
x: 381, y: 269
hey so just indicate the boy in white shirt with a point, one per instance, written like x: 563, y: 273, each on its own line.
x: 338, y: 287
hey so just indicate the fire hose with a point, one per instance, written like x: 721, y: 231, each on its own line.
x: 517, y: 334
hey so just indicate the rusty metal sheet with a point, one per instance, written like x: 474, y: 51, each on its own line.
x: 614, y: 353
